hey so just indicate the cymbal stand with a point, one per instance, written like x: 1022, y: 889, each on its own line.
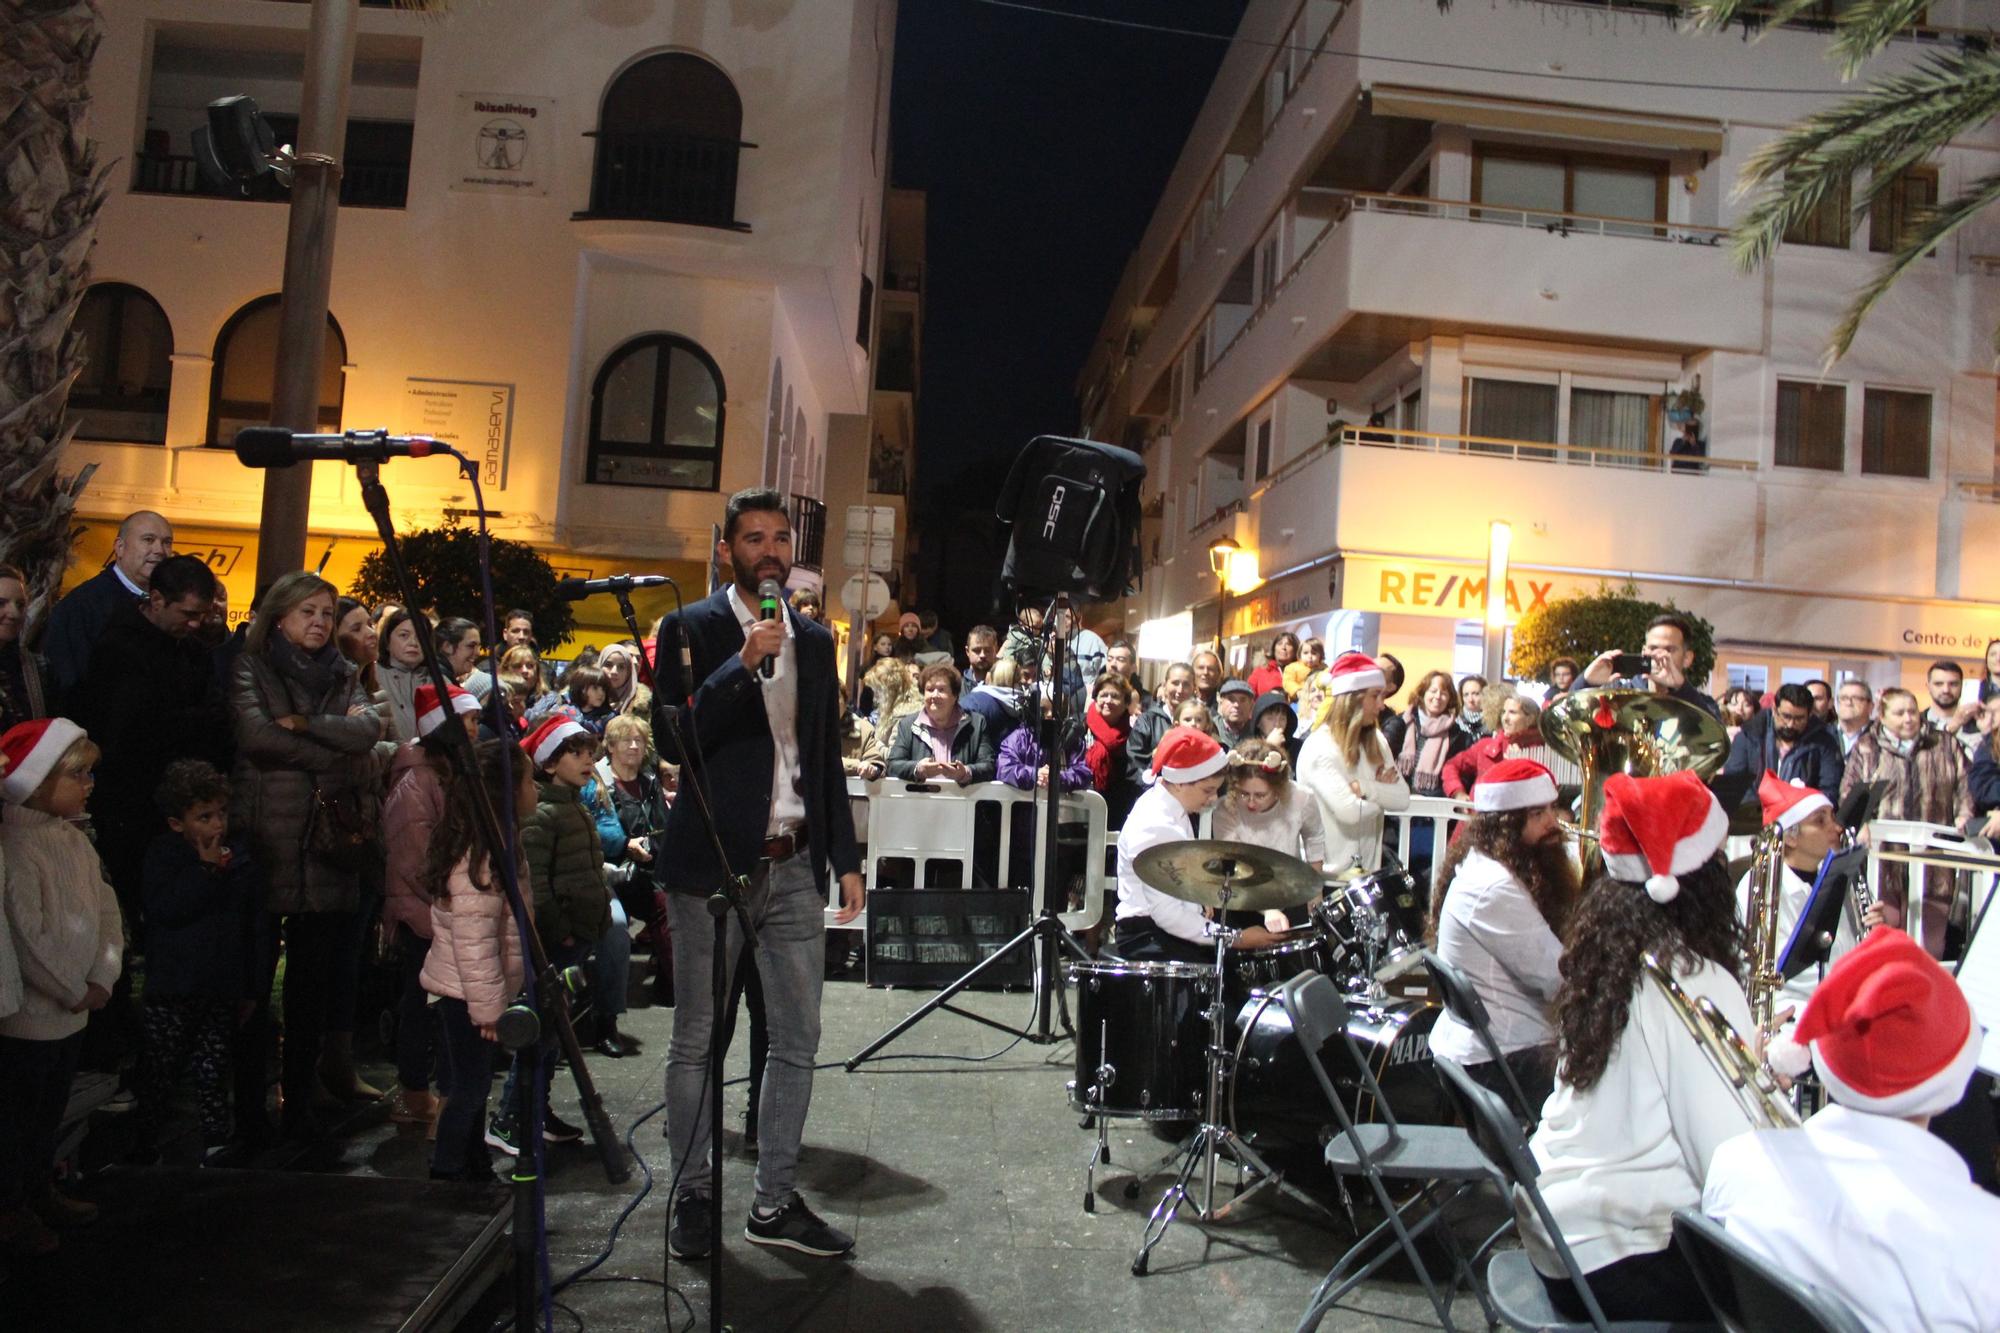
x: 1211, y: 1142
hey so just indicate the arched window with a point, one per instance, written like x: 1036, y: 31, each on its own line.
x: 246, y: 372
x: 126, y: 346
x: 656, y: 416
x: 774, y: 424
x: 668, y: 136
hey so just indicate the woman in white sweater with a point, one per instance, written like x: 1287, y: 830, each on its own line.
x: 1347, y: 766
x: 1638, y: 1111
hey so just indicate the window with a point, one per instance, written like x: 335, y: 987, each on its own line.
x: 1746, y: 676
x: 1554, y: 182
x: 866, y: 318
x: 1895, y: 433
x: 126, y: 347
x: 1627, y: 422
x: 1812, y: 425
x: 1829, y: 224
x: 1913, y: 191
x: 656, y: 416
x: 1511, y: 410
x: 668, y: 137
x: 246, y: 369
x: 1261, y: 464
x: 1410, y: 414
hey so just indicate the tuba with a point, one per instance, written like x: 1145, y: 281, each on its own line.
x: 1635, y: 732
x: 1760, y: 927
x: 1754, y: 1085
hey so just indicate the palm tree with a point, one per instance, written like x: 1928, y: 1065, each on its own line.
x: 51, y: 187
x: 1889, y: 127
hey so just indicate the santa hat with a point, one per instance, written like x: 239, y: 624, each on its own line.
x: 32, y: 750
x: 431, y: 713
x: 1655, y: 830
x: 555, y: 732
x: 1351, y: 672
x: 1187, y: 754
x: 1513, y: 784
x: 1788, y: 804
x: 1888, y: 1029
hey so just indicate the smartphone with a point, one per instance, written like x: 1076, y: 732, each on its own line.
x: 1631, y: 664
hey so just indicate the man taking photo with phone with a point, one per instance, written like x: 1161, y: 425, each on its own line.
x: 1669, y: 657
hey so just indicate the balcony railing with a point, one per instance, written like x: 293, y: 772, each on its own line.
x: 362, y: 184
x: 808, y: 532
x: 655, y: 177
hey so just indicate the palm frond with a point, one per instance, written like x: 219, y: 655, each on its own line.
x: 1896, y: 123
x: 1718, y: 14
x: 1930, y: 228
x: 1866, y: 26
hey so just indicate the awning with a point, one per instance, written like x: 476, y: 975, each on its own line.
x: 1556, y: 119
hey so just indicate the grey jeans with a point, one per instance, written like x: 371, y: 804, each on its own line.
x: 786, y: 906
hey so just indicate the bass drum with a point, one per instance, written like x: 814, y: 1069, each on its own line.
x: 1141, y: 1032
x: 1274, y: 1102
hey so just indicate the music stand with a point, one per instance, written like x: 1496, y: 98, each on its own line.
x: 1811, y: 942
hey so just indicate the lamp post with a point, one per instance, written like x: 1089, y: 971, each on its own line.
x: 1499, y: 542
x: 1221, y: 553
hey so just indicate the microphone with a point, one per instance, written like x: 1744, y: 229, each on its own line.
x: 571, y: 590
x: 274, y: 446
x: 770, y: 594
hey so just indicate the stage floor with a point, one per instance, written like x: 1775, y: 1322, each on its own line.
x: 962, y: 1184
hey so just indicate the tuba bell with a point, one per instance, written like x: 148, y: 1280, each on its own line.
x: 1634, y: 732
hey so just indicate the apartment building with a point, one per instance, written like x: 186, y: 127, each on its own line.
x: 627, y: 258
x: 1417, y: 271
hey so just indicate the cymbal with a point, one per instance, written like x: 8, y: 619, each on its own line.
x: 1238, y: 875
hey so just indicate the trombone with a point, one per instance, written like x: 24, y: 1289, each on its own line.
x: 1760, y: 926
x: 1750, y: 1080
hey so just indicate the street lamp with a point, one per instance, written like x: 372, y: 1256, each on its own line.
x: 1499, y: 542
x: 1222, y: 554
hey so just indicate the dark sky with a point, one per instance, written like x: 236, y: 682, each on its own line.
x: 1043, y: 142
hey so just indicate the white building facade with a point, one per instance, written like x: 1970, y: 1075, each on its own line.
x: 1417, y: 271
x: 625, y: 256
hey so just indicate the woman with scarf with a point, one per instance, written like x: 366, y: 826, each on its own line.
x: 1514, y: 722
x: 304, y: 791
x: 942, y: 740
x: 624, y: 691
x: 1114, y: 772
x: 1433, y: 733
x: 1922, y: 774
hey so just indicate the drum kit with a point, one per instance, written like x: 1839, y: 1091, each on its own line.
x: 1206, y: 1043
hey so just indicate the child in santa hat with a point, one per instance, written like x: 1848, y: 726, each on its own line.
x: 1864, y: 1201
x: 1638, y: 1111
x: 70, y: 940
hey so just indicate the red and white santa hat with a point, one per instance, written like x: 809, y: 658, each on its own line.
x: 1888, y: 1030
x: 1513, y: 784
x: 32, y: 750
x: 1654, y: 830
x: 1188, y: 754
x: 556, y: 731
x: 431, y: 713
x: 1351, y: 672
x: 1787, y: 804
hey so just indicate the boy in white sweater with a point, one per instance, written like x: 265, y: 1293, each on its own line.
x: 69, y: 940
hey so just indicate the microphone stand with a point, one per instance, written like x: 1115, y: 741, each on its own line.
x: 727, y: 898
x: 547, y: 992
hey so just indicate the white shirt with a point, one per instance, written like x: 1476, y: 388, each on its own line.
x: 781, y: 711
x: 1792, y: 898
x: 130, y: 586
x: 1290, y: 826
x: 1619, y: 1159
x: 1492, y: 931
x: 1156, y: 817
x: 1869, y: 1207
x: 1353, y: 823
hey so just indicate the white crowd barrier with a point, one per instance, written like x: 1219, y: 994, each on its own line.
x: 1916, y: 845
x: 927, y: 834
x: 1440, y: 814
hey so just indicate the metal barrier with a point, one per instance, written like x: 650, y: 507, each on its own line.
x: 1924, y: 846
x: 962, y: 837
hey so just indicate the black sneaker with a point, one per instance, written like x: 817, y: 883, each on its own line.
x: 557, y: 1130
x: 501, y: 1136
x: 796, y: 1227
x: 688, y: 1237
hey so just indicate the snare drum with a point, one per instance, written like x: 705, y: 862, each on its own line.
x: 1306, y: 949
x: 1141, y: 1032
x: 1273, y: 1100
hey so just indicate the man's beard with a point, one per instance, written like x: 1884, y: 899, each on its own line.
x: 749, y: 576
x: 1545, y: 870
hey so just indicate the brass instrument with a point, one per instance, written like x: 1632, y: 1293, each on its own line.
x: 1760, y: 927
x: 1635, y: 732
x: 1754, y: 1085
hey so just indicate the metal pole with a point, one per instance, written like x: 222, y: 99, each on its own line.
x: 308, y: 280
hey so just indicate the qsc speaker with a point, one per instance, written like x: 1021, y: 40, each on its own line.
x: 1073, y: 506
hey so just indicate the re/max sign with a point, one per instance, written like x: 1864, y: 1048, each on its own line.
x: 1464, y: 592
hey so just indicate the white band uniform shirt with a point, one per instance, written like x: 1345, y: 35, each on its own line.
x: 781, y: 711
x: 1156, y: 817
x: 1491, y: 930
x: 1793, y: 892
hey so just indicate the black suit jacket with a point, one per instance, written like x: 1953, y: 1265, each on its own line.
x: 730, y: 751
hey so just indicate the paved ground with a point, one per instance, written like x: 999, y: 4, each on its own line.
x: 962, y: 1184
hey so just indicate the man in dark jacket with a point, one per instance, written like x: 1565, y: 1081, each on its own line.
x: 1789, y: 741
x: 148, y: 698
x: 761, y: 733
x: 144, y: 540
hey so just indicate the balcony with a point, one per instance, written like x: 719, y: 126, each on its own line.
x: 363, y: 184
x: 808, y: 533
x: 650, y: 176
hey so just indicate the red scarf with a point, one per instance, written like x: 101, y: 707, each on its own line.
x: 1107, y: 746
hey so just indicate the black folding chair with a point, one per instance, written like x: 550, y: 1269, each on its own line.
x: 1432, y: 1155
x: 1513, y: 1288
x: 1462, y: 1002
x: 1748, y: 1292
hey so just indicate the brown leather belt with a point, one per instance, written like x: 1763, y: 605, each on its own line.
x: 783, y: 845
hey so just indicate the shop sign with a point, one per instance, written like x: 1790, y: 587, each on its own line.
x: 1430, y: 588
x: 503, y: 143
x: 1302, y: 596
x: 475, y: 418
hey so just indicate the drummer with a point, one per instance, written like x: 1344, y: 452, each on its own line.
x: 1265, y: 807
x: 1154, y: 926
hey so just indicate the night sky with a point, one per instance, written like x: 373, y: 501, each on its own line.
x: 1043, y: 143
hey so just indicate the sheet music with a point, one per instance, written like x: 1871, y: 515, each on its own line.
x: 1979, y: 975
